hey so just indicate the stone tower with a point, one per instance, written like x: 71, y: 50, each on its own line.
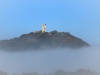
x: 44, y: 28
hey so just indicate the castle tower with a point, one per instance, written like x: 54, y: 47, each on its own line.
x: 44, y: 28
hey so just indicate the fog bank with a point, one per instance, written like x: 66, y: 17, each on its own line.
x: 49, y: 61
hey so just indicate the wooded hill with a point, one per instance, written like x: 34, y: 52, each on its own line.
x: 38, y: 40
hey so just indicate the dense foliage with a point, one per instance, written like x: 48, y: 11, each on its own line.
x: 38, y: 40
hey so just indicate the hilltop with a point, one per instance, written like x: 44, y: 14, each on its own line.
x: 39, y: 40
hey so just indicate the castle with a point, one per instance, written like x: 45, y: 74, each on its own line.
x: 44, y: 28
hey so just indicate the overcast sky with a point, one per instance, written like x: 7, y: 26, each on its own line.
x: 79, y: 17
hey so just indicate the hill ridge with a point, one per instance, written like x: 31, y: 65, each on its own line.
x: 48, y: 40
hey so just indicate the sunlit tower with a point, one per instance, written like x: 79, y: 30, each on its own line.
x: 44, y: 28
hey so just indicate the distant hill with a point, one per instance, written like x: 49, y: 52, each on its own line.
x: 78, y: 72
x: 38, y: 40
x: 59, y: 72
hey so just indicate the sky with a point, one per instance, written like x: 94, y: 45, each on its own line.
x: 79, y: 17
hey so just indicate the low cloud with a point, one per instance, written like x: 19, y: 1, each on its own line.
x: 49, y: 61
